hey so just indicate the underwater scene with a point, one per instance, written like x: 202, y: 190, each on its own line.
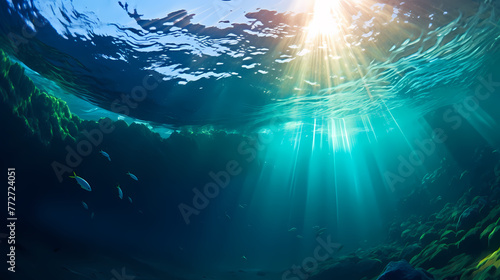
x: 250, y: 140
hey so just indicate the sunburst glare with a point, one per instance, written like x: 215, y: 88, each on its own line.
x: 326, y: 19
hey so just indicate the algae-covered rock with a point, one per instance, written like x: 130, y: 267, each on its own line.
x: 435, y: 255
x: 395, y: 231
x: 460, y: 234
x: 408, y: 235
x: 369, y: 266
x: 428, y: 237
x: 492, y: 216
x: 486, y: 232
x: 44, y: 116
x: 403, y: 270
x: 471, y: 242
x: 410, y: 251
x: 468, y: 218
x: 449, y: 235
x: 494, y: 238
x: 442, y: 255
x: 455, y: 267
x: 486, y: 268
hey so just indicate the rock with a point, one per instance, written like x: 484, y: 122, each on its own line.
x: 468, y: 218
x: 369, y: 266
x: 403, y: 270
x: 409, y: 235
x: 444, y: 240
x: 495, y: 191
x: 442, y: 255
x: 490, y: 270
x: 395, y: 231
x: 494, y: 238
x: 460, y: 233
x: 350, y: 267
x: 448, y: 234
x: 428, y: 237
x: 343, y: 268
x: 448, y: 237
x: 486, y: 268
x: 486, y: 232
x: 435, y: 255
x: 405, y: 234
x: 410, y: 251
x: 42, y: 115
x: 492, y: 216
x: 471, y: 242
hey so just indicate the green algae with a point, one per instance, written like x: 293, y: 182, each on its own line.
x: 487, y: 268
x: 44, y: 116
x: 428, y: 237
x: 450, y: 235
x: 494, y: 238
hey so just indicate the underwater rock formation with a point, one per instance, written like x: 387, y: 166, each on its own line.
x: 403, y: 270
x: 41, y: 115
x: 471, y: 215
x: 410, y: 251
x: 460, y: 240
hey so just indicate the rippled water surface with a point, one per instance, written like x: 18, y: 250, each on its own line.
x: 236, y: 64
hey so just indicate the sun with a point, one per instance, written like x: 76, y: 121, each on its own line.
x: 326, y: 19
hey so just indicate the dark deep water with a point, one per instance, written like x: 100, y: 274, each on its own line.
x: 232, y: 140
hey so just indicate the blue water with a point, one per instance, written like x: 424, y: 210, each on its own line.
x: 329, y: 119
x: 247, y: 71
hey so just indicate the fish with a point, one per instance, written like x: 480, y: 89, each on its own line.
x: 85, y: 205
x: 463, y: 174
x: 315, y: 227
x: 132, y: 176
x: 130, y: 199
x: 243, y: 257
x: 292, y: 229
x: 81, y: 182
x: 320, y: 232
x: 299, y: 236
x: 105, y: 154
x: 227, y: 216
x: 120, y: 193
x: 242, y: 206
